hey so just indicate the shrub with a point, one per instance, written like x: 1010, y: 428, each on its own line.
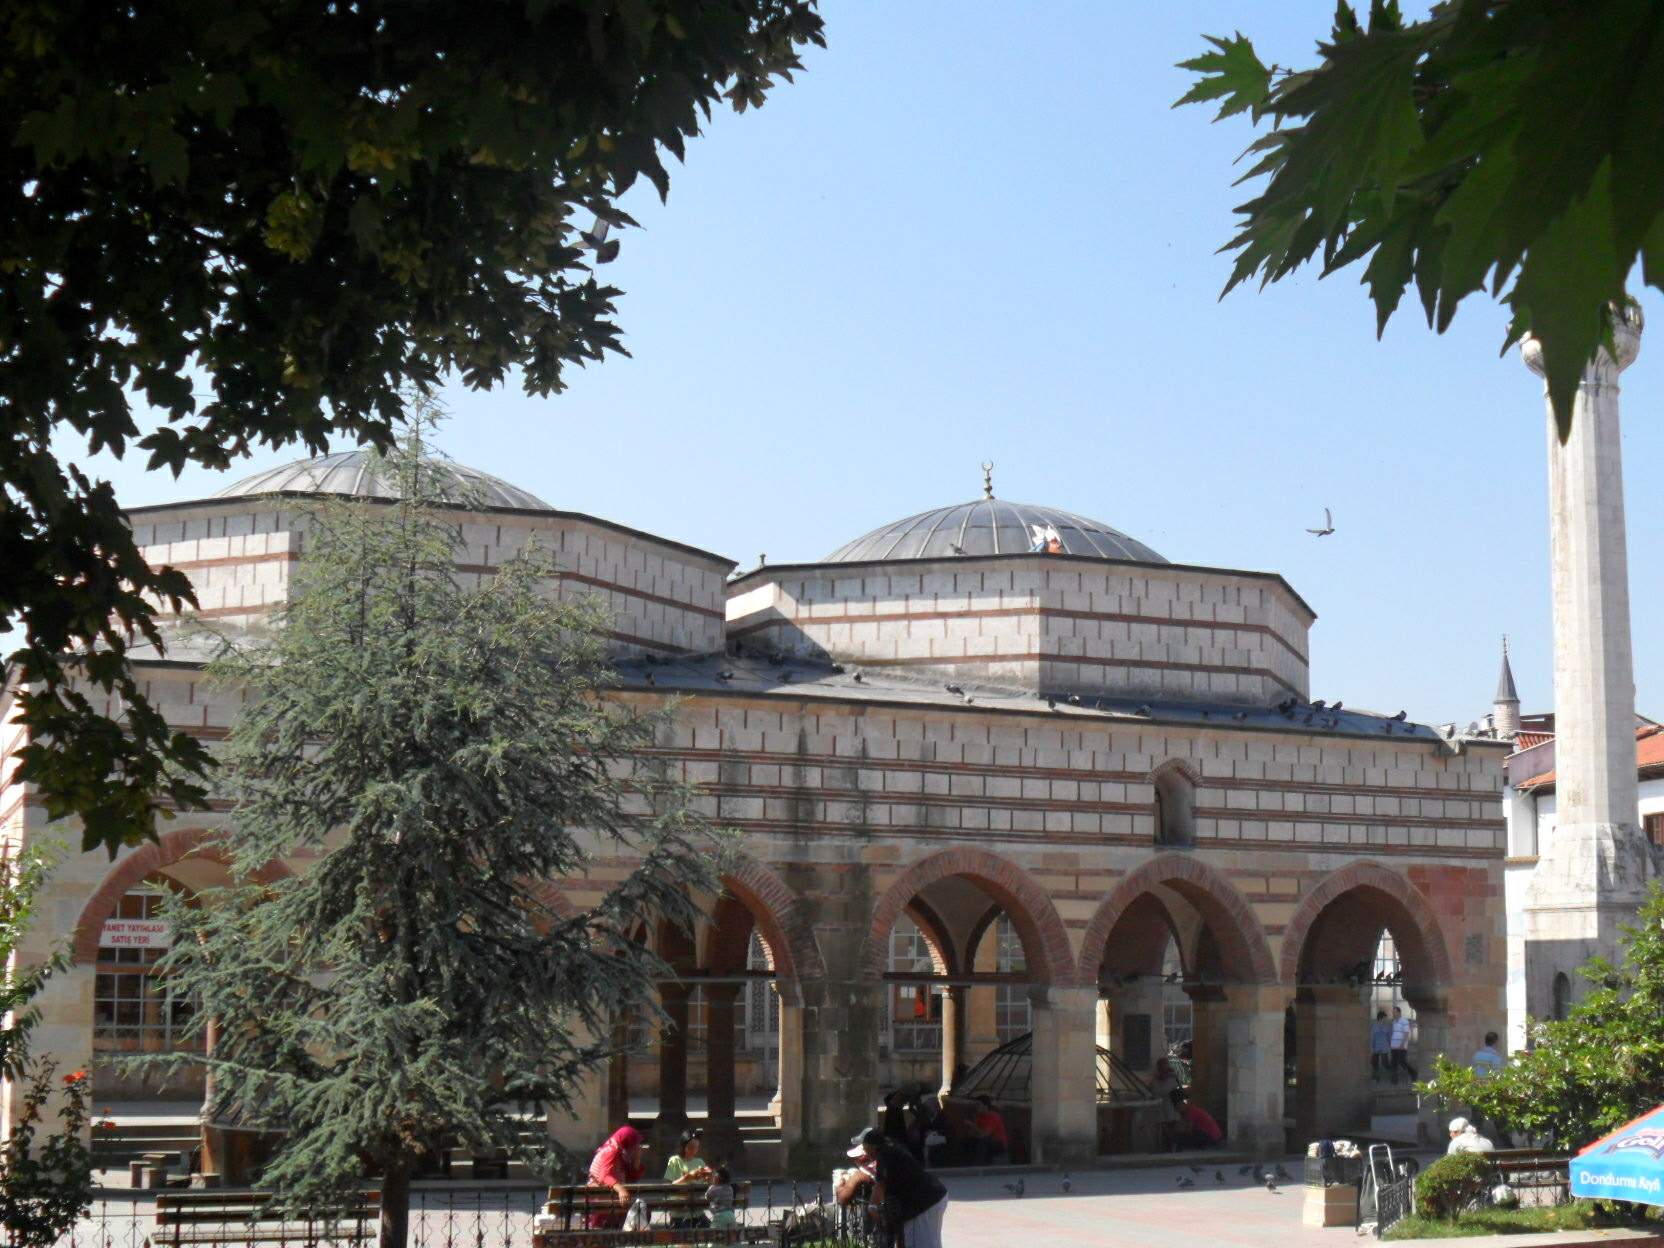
x: 1452, y: 1184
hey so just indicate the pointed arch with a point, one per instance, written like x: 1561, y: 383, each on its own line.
x: 1402, y: 907
x: 129, y: 871
x: 1045, y: 940
x: 1225, y: 910
x: 779, y: 916
x: 936, y: 935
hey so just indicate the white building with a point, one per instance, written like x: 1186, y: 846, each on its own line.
x: 1529, y: 804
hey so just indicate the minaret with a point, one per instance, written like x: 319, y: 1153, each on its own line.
x: 1505, y: 707
x: 1593, y: 868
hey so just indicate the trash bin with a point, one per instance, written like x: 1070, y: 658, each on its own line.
x: 1331, y: 1187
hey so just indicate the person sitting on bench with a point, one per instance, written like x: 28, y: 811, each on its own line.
x: 617, y: 1164
x: 719, y: 1197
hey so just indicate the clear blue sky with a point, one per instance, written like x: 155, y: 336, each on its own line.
x: 977, y: 231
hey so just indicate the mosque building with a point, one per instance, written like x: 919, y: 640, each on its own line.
x: 1013, y: 818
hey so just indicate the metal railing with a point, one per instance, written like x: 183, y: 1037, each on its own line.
x: 501, y: 1215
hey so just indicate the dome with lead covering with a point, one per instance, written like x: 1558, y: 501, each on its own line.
x: 362, y: 474
x: 991, y: 526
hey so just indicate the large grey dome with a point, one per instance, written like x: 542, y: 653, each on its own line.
x: 989, y: 526
x: 360, y: 474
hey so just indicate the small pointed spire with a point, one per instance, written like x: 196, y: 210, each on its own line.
x: 987, y: 478
x: 1505, y: 691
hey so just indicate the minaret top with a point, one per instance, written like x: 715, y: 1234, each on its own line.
x: 1627, y: 323
x: 1505, y: 691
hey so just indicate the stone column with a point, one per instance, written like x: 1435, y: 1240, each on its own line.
x: 788, y: 1100
x: 1335, y: 1094
x: 673, y: 1067
x: 954, y: 1026
x: 839, y: 1068
x: 1062, y: 1088
x: 1254, y: 1079
x: 1210, y: 1051
x: 722, y: 1129
x: 1434, y: 1036
x: 1592, y: 871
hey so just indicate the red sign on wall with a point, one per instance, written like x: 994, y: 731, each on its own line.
x: 133, y: 934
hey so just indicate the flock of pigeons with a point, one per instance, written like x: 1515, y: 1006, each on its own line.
x: 1266, y: 1178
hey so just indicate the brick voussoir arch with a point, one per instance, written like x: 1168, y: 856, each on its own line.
x: 152, y: 856
x: 1222, y: 904
x: 1372, y: 875
x: 1045, y: 940
x: 779, y: 916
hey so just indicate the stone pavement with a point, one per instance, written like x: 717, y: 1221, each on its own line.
x: 1131, y: 1208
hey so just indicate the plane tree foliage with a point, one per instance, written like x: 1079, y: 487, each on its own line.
x: 1508, y: 146
x: 261, y: 221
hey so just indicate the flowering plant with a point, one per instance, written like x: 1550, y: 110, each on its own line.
x: 44, y: 1189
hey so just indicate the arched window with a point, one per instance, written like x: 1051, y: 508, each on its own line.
x: 760, y: 1003
x: 1013, y: 1013
x: 134, y: 1009
x: 1386, y: 982
x: 1175, y: 805
x: 1178, y: 1021
x: 915, y: 1009
x: 1562, y: 997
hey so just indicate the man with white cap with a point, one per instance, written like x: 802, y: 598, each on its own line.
x: 911, y: 1201
x: 1465, y: 1138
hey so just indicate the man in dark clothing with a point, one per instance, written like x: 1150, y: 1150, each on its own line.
x: 911, y: 1200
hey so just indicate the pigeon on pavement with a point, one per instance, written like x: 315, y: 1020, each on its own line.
x: 1017, y: 1188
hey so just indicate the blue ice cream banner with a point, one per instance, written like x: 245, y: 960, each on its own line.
x: 1626, y: 1165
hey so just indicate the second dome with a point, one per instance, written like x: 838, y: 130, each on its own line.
x: 990, y: 526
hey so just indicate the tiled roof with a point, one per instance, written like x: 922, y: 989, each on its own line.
x: 1649, y: 754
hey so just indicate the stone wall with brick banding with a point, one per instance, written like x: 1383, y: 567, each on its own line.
x: 240, y: 555
x: 1168, y: 633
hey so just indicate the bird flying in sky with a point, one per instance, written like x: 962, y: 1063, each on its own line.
x: 1328, y: 525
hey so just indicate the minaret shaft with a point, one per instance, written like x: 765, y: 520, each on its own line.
x: 1594, y: 676
x: 1593, y: 866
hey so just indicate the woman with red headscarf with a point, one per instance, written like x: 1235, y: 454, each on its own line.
x: 617, y: 1164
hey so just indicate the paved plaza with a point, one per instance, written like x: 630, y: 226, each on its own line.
x: 1129, y: 1208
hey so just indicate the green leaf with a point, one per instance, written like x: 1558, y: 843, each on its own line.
x: 1568, y: 278
x: 1233, y: 73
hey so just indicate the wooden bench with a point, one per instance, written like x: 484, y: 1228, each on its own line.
x: 241, y: 1217
x: 567, y: 1212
